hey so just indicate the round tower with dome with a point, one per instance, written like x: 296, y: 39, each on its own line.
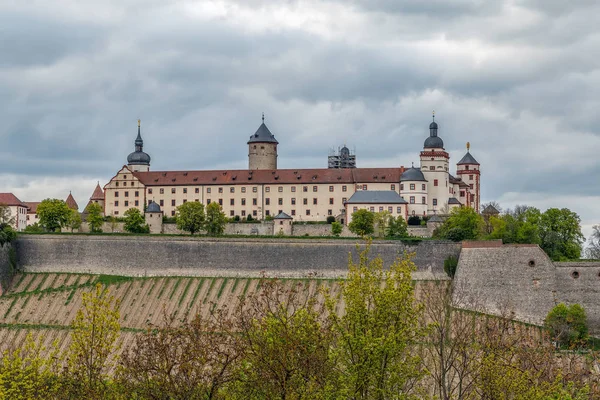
x: 434, y: 166
x: 138, y: 161
x: 262, y: 148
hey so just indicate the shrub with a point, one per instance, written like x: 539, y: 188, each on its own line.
x: 330, y: 219
x: 363, y: 222
x: 414, y: 220
x: 249, y: 218
x: 450, y: 265
x: 336, y: 228
x: 567, y: 325
x: 236, y: 218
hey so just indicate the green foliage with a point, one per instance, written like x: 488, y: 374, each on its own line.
x: 363, y: 222
x: 94, y: 217
x: 54, y: 214
x: 561, y: 235
x: 381, y: 222
x: 249, y: 218
x: 414, y: 220
x: 7, y: 234
x: 215, y: 220
x: 462, y: 224
x: 74, y: 220
x: 135, y: 221
x: 190, y: 217
x: 450, y: 265
x: 269, y: 218
x: 330, y: 219
x: 567, y: 325
x: 336, y: 228
x: 397, y: 228
x: 34, y: 228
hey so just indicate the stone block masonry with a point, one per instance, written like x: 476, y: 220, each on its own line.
x: 156, y: 255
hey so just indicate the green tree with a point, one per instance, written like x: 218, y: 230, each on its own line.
x: 5, y: 215
x: 397, y: 227
x: 190, y: 217
x: 7, y: 234
x: 94, y: 332
x: 135, y: 221
x: 336, y: 228
x: 215, y: 220
x: 94, y: 217
x: 561, y: 236
x: 462, y: 224
x: 74, y: 221
x: 363, y: 222
x: 382, y: 220
x: 567, y: 325
x: 53, y: 213
x: 378, y: 329
x: 34, y: 228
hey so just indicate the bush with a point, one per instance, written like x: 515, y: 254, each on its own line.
x: 336, y: 228
x: 236, y: 218
x: 7, y: 234
x: 330, y: 219
x: 414, y: 220
x: 363, y: 222
x: 249, y: 218
x: 450, y: 265
x: 567, y: 325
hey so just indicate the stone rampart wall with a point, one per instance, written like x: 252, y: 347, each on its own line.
x: 156, y: 255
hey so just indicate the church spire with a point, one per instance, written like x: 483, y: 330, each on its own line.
x: 139, y: 143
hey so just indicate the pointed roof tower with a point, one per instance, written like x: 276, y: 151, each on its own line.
x: 71, y: 203
x: 138, y: 157
x: 98, y: 193
x: 263, y: 134
x: 468, y: 158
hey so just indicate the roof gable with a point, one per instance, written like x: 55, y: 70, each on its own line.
x: 376, y: 197
x: 10, y: 199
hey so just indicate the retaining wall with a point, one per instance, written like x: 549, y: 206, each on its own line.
x: 155, y: 255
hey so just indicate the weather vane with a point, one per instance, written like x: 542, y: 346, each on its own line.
x: 139, y: 122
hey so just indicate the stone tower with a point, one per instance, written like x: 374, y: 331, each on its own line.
x: 262, y: 149
x: 138, y: 161
x: 154, y: 217
x: 468, y: 170
x: 434, y: 165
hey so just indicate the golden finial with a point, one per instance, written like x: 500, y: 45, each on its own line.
x: 468, y: 146
x: 433, y: 114
x: 139, y: 122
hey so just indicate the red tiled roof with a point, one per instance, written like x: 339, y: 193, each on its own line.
x: 98, y: 193
x: 31, y: 206
x: 71, y: 202
x: 283, y: 176
x: 10, y: 199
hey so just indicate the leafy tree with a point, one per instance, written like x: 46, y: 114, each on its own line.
x: 376, y: 334
x: 135, y: 221
x: 363, y: 222
x: 450, y: 265
x: 74, y: 221
x: 462, y: 224
x: 53, y: 213
x: 7, y: 234
x: 190, y: 216
x: 5, y: 215
x: 215, y: 220
x: 95, y: 330
x: 381, y: 221
x: 561, y: 235
x: 414, y: 220
x: 567, y: 324
x: 34, y: 228
x: 336, y: 228
x: 94, y: 217
x: 397, y: 227
x: 593, y: 250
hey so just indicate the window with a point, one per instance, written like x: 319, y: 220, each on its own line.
x: 372, y: 209
x: 329, y: 212
x: 470, y: 177
x: 173, y: 202
x: 344, y: 188
x: 197, y: 200
x: 207, y: 201
x: 380, y: 208
x: 280, y: 189
x: 254, y: 212
x: 231, y: 213
x: 124, y: 176
x: 354, y: 209
x: 267, y: 213
x: 116, y: 183
x: 254, y: 189
x: 293, y: 201
x: 116, y: 194
x: 267, y: 201
x: 232, y: 202
x: 131, y: 183
x: 412, y: 199
x: 150, y: 191
x: 467, y: 167
x: 293, y: 189
x: 364, y: 187
x: 173, y: 190
x: 136, y: 194
x: 307, y: 212
x: 315, y: 188
x: 244, y: 189
x: 392, y: 187
x: 116, y: 203
x: 462, y: 193
x: 423, y: 200
x: 232, y: 190
x: 243, y: 213
x: 162, y: 203
x: 254, y: 201
x: 268, y: 189
x: 197, y: 190
x: 184, y: 190
x: 472, y: 197
x: 399, y: 210
x: 422, y: 186
x: 305, y: 201
x: 207, y: 190
x: 331, y: 200
x: 435, y: 182
x: 126, y: 194
x: 293, y: 212
x: 315, y: 200
x: 412, y: 186
x: 220, y: 190
x: 280, y: 201
x: 471, y: 185
x: 137, y: 203
x: 305, y: 188
x: 344, y: 200
x: 244, y: 201
x: 116, y: 213
x: 173, y: 213
x: 184, y: 201
x: 402, y: 186
x: 390, y: 209
x: 432, y: 168
x: 220, y: 202
x: 331, y: 188
x: 435, y: 202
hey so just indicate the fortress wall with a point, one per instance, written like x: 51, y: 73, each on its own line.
x: 319, y: 230
x: 155, y: 255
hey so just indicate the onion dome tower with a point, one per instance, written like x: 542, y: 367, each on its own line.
x: 413, y: 189
x: 434, y: 165
x: 468, y: 169
x: 138, y: 160
x: 262, y: 148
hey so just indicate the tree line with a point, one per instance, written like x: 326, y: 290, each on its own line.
x: 371, y: 339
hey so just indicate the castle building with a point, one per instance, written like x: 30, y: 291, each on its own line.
x: 343, y: 158
x: 17, y: 210
x: 263, y: 190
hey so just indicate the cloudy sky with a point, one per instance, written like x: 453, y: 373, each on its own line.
x: 519, y: 79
